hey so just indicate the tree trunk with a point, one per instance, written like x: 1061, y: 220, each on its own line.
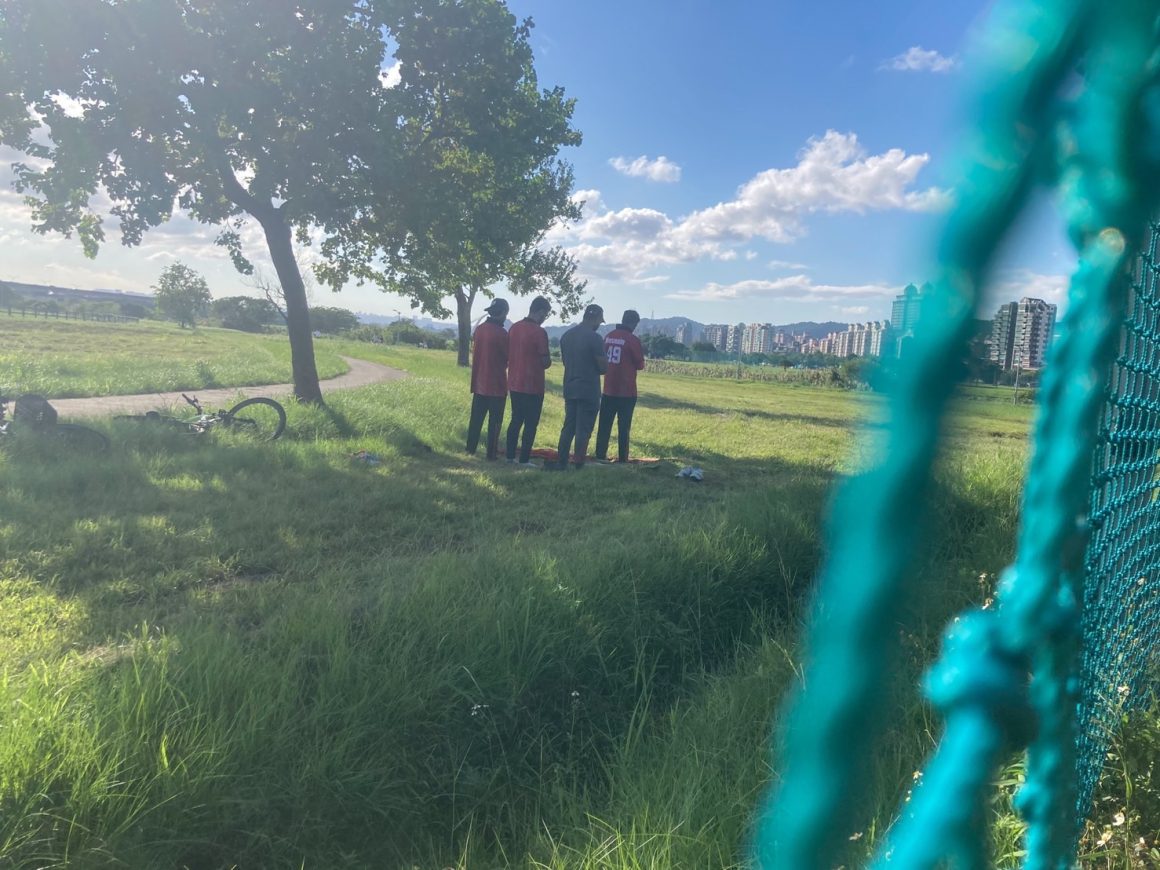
x: 463, y: 302
x: 277, y: 231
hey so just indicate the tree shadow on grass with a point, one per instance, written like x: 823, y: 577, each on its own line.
x: 369, y: 659
x: 841, y: 419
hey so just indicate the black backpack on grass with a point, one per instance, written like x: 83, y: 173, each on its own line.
x: 34, y: 410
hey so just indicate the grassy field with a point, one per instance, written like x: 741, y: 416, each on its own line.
x: 62, y: 359
x: 226, y: 655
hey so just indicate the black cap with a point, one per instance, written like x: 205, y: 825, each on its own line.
x: 629, y: 316
x: 498, y: 306
x: 594, y: 311
x: 541, y: 303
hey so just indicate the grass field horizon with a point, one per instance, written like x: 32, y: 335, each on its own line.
x: 226, y: 655
x: 74, y: 359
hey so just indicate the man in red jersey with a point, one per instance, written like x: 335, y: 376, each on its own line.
x: 625, y: 358
x: 528, y: 356
x: 489, y: 360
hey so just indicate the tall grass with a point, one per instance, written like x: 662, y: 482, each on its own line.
x: 221, y: 654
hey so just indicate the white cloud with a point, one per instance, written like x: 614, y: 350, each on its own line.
x: 661, y: 169
x: 590, y: 200
x: 788, y: 265
x: 1015, y: 284
x: 796, y: 288
x: 833, y: 174
x: 71, y: 106
x: 918, y: 59
x: 631, y: 224
x: 392, y: 75
x: 853, y: 310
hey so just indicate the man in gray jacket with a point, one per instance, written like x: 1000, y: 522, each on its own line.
x: 582, y: 350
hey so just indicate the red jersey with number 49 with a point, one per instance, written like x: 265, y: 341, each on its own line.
x: 625, y: 358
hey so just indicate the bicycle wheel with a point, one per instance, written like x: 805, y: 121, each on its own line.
x: 259, y: 418
x: 78, y: 437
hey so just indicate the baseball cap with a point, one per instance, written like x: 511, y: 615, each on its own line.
x: 498, y: 306
x: 541, y: 303
x: 594, y: 311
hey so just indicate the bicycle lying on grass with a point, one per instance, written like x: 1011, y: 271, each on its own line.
x: 257, y: 419
x: 34, y: 415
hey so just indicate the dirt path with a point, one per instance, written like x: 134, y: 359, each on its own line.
x: 361, y: 374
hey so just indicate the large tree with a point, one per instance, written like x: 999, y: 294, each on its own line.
x: 275, y: 110
x: 484, y: 182
x: 245, y: 313
x: 331, y: 321
x: 182, y: 295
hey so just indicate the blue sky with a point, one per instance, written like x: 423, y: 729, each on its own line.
x: 769, y: 161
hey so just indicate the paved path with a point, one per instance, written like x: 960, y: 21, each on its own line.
x: 361, y: 373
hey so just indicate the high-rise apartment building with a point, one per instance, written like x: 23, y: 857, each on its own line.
x: 717, y: 335
x: 862, y: 339
x: 905, y: 310
x: 688, y: 334
x: 1003, y: 335
x: 733, y: 337
x: 904, y: 314
x: 1034, y: 327
x: 758, y: 338
x: 1021, y: 334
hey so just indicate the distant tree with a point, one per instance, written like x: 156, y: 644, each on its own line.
x: 663, y: 347
x: 133, y: 309
x: 332, y: 321
x: 483, y: 181
x: 245, y: 313
x: 704, y: 347
x: 182, y: 294
x: 977, y: 364
x: 8, y: 296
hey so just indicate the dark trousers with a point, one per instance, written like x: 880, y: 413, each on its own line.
x: 526, y: 410
x: 491, y: 407
x: 619, y: 408
x: 579, y: 419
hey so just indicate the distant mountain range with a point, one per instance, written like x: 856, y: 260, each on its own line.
x: 49, y: 291
x: 660, y: 325
x: 421, y: 322
x: 648, y: 326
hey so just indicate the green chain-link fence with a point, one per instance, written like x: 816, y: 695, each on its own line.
x: 1068, y: 99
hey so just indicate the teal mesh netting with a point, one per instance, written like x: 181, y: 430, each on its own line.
x: 1121, y: 618
x: 1068, y: 98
